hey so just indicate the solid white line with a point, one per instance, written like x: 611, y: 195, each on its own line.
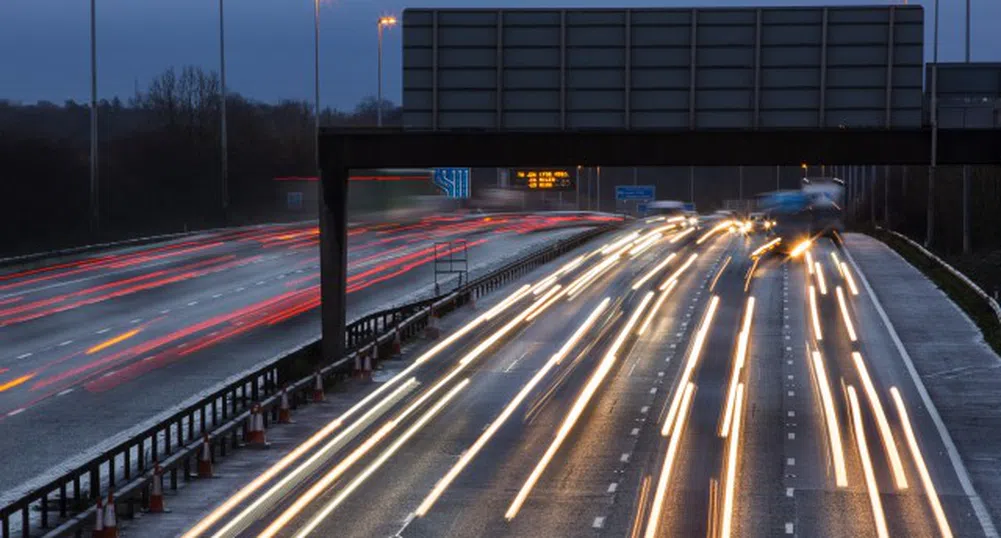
x: 983, y: 517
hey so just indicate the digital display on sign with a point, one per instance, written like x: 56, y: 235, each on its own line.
x: 545, y: 180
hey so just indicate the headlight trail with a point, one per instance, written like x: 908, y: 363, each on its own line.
x: 656, y: 308
x: 512, y: 406
x: 870, y: 476
x: 831, y: 418
x: 761, y: 250
x: 720, y: 272
x: 577, y: 410
x: 884, y: 426
x: 644, y: 244
x: 731, y: 466
x: 250, y: 513
x: 691, y: 363
x: 618, y: 244
x: 388, y: 453
x: 809, y: 262
x: 919, y: 462
x: 814, y: 314
x: 677, y: 273
x: 802, y: 247
x: 712, y: 231
x: 542, y: 300
x: 590, y: 275
x: 849, y: 278
x: 650, y: 274
x: 738, y: 365
x: 820, y: 278
x: 837, y: 263
x: 680, y: 235
x: 844, y: 314
x: 665, y: 470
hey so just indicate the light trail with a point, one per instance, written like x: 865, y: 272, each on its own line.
x: 618, y: 244
x: 738, y: 365
x: 809, y: 262
x: 712, y: 231
x: 591, y: 274
x: 849, y: 278
x: 720, y: 272
x: 577, y: 410
x: 681, y: 235
x: 536, y: 312
x: 677, y: 273
x: 388, y: 453
x: 802, y: 247
x: 691, y: 363
x: 112, y: 341
x: 650, y: 274
x: 814, y: 314
x: 644, y: 245
x: 653, y: 521
x: 820, y: 278
x: 919, y: 462
x: 844, y: 314
x: 656, y: 308
x: 512, y: 406
x: 251, y: 512
x: 761, y: 250
x: 890, y: 446
x: 15, y: 382
x: 870, y: 476
x: 542, y: 300
x: 831, y: 418
x: 837, y: 263
x: 731, y: 467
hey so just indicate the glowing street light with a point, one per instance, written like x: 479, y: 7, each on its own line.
x: 384, y: 22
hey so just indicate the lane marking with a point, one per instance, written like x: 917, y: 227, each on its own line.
x: 216, y: 296
x: 635, y: 432
x: 240, y: 289
x: 653, y: 390
x: 791, y: 413
x: 17, y: 411
x: 789, y: 528
x: 165, y: 311
x: 612, y: 487
x: 983, y: 517
x: 791, y: 461
x: 792, y: 436
x: 66, y: 343
x: 792, y: 393
x: 624, y: 457
x: 24, y: 355
x: 645, y: 409
x: 515, y: 362
x: 790, y: 492
x: 65, y: 392
x: 137, y: 320
x: 599, y: 522
x: 192, y: 303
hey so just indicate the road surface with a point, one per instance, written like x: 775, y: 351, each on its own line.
x: 95, y: 346
x: 764, y: 396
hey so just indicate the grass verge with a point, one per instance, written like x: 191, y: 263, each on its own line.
x: 973, y: 304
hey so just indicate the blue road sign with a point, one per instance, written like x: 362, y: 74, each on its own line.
x: 454, y: 181
x: 634, y: 192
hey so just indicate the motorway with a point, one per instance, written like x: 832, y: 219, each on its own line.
x: 672, y: 382
x: 96, y: 345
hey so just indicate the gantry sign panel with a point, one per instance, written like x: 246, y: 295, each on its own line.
x: 743, y: 68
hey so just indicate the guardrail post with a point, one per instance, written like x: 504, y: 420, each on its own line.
x: 128, y: 462
x: 155, y: 446
x: 173, y: 478
x: 141, y: 454
x: 62, y: 499
x: 111, y: 470
x: 45, y: 511
x: 95, y: 482
x: 25, y: 521
x: 5, y: 524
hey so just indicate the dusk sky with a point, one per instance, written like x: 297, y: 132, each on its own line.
x: 44, y: 44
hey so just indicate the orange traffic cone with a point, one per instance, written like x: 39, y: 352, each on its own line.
x: 205, y: 459
x: 397, y: 348
x: 432, y: 331
x: 255, y: 427
x: 98, y: 520
x: 110, y: 518
x: 318, y: 387
x: 284, y: 409
x: 156, y: 490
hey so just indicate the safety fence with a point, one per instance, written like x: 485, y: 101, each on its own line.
x: 66, y: 505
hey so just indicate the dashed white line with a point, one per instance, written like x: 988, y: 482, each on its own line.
x: 165, y: 311
x: 790, y: 377
x: 791, y: 413
x: 792, y: 436
x: 66, y: 343
x: 653, y: 390
x: 216, y: 296
x: 790, y: 461
x: 789, y: 528
x: 612, y: 487
x: 790, y: 492
x: 113, y: 372
x: 644, y: 409
x: 599, y: 522
x: 65, y: 392
x: 624, y: 457
x: 792, y: 393
x: 102, y: 331
x: 192, y: 303
x: 260, y: 282
x: 635, y: 432
x: 240, y: 289
x: 515, y: 362
x: 16, y: 412
x: 660, y: 374
x: 24, y: 355
x: 789, y: 362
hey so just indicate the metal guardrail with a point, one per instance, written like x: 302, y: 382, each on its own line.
x: 65, y: 505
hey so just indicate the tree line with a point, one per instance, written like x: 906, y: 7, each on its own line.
x: 159, y: 160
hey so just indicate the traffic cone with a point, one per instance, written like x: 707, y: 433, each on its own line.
x: 318, y: 387
x: 156, y: 490
x: 255, y: 429
x: 205, y: 458
x: 432, y: 331
x: 98, y: 520
x: 110, y: 518
x: 284, y: 410
x: 397, y: 348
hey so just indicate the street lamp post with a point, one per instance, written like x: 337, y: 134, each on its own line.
x: 930, y: 218
x: 316, y: 83
x: 94, y: 220
x: 224, y: 164
x: 383, y: 23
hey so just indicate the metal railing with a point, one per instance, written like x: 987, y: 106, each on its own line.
x: 66, y: 505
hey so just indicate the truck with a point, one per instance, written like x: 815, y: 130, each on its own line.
x: 797, y: 215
